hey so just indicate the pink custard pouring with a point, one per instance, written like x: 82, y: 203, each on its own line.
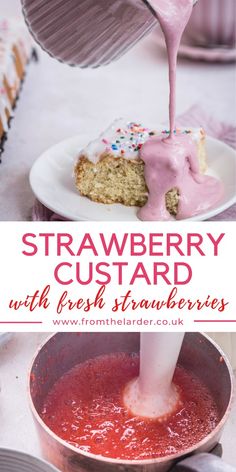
x: 172, y: 162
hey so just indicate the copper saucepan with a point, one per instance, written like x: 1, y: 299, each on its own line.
x: 64, y: 350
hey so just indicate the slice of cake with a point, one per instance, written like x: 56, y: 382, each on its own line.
x: 110, y: 170
x: 16, y: 49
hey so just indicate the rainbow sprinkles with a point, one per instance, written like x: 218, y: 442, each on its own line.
x: 110, y: 169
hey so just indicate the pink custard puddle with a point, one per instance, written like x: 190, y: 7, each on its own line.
x: 173, y: 163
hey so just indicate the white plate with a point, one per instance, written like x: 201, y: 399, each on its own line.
x: 14, y: 461
x: 198, y: 53
x: 51, y: 179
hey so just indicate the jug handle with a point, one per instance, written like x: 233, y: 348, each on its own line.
x: 203, y: 463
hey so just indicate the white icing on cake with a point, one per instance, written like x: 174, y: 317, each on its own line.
x: 125, y: 139
x: 13, y: 32
x: 5, y: 107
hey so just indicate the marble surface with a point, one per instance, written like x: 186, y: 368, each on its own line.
x: 58, y: 102
x: 17, y: 430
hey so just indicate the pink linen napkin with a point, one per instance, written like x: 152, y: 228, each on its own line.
x: 194, y: 117
x: 42, y: 213
x: 197, y: 117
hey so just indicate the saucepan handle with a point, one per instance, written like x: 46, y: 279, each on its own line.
x: 203, y: 463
